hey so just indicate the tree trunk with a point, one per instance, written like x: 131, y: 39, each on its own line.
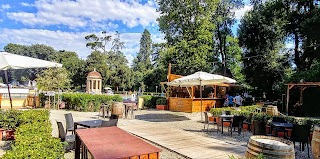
x: 296, y: 51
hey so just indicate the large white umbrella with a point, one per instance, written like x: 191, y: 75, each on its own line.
x: 14, y: 61
x: 199, y: 79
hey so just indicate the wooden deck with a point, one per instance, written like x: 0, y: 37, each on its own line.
x: 185, y: 143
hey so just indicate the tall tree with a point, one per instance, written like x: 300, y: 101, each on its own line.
x: 96, y: 43
x: 53, y: 79
x: 188, y: 29
x: 224, y: 20
x: 142, y: 63
x: 120, y: 76
x: 264, y: 60
x: 74, y: 65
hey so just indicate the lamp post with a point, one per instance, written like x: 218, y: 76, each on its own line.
x: 156, y: 89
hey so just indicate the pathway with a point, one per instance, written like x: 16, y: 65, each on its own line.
x: 188, y: 144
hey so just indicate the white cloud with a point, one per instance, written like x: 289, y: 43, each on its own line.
x: 26, y: 4
x: 239, y: 13
x: 5, y: 6
x: 70, y: 41
x: 81, y: 13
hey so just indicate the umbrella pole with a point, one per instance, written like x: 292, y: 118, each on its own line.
x: 6, y: 76
x: 201, y: 100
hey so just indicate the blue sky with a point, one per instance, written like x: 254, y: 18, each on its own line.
x: 63, y: 24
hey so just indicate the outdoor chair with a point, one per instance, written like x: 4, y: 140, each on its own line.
x: 69, y: 123
x: 280, y: 120
x: 111, y: 122
x: 70, y: 139
x: 237, y: 122
x: 301, y: 133
x: 208, y: 122
x: 248, y: 121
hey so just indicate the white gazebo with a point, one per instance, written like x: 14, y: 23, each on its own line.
x: 94, y: 82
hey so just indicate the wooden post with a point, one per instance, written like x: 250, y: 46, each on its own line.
x: 215, y: 91
x: 288, y: 94
x: 169, y: 72
x: 201, y: 100
x: 6, y: 76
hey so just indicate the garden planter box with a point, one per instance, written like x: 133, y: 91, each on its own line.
x: 1, y: 134
x: 10, y: 134
x: 162, y: 107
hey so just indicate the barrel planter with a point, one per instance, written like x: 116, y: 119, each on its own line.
x: 315, y: 143
x: 270, y: 147
x: 117, y: 109
x: 272, y: 110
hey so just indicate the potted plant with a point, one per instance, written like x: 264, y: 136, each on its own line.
x: 259, y: 123
x: 10, y: 123
x: 161, y: 104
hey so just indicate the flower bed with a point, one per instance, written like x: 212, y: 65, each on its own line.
x: 33, y: 137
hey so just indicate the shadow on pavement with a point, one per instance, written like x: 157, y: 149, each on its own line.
x: 161, y: 117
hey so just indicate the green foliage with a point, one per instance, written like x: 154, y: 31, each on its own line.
x: 161, y: 101
x: 53, y: 79
x: 243, y: 110
x: 88, y: 102
x: 188, y: 30
x: 10, y: 119
x: 147, y: 101
x: 74, y: 65
x: 261, y: 117
x: 34, y: 139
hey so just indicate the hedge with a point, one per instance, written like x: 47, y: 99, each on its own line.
x: 88, y: 102
x: 34, y: 139
x: 150, y: 101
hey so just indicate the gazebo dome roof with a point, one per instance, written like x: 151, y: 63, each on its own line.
x: 94, y: 74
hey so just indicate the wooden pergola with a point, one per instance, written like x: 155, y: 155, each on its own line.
x: 302, y: 86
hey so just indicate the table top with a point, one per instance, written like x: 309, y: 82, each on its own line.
x: 279, y: 124
x: 89, y: 123
x: 227, y: 116
x: 113, y: 142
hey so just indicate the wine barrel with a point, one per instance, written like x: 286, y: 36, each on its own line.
x: 270, y: 147
x: 272, y: 110
x: 117, y: 109
x: 315, y: 143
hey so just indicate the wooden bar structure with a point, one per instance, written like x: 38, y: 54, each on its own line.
x: 302, y: 86
x: 183, y: 99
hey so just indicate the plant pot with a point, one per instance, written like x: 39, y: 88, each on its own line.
x: 161, y: 107
x: 10, y: 134
x: 1, y: 134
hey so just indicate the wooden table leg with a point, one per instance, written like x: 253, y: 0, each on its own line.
x: 77, y: 150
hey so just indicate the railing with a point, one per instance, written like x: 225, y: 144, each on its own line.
x: 14, y: 95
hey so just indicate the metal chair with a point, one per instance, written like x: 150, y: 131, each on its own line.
x: 236, y: 122
x: 69, y: 123
x: 301, y: 133
x: 111, y: 122
x: 70, y: 139
x: 277, y: 130
x: 208, y: 122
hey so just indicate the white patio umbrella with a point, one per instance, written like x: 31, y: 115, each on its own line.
x: 200, y: 79
x: 14, y: 61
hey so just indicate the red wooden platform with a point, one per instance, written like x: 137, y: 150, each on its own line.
x: 113, y: 143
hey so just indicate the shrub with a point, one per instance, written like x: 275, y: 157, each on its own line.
x: 161, y: 101
x: 88, y: 102
x: 147, y: 101
x: 10, y: 119
x: 33, y: 137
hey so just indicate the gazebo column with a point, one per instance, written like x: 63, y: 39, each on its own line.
x: 288, y: 95
x: 96, y: 85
